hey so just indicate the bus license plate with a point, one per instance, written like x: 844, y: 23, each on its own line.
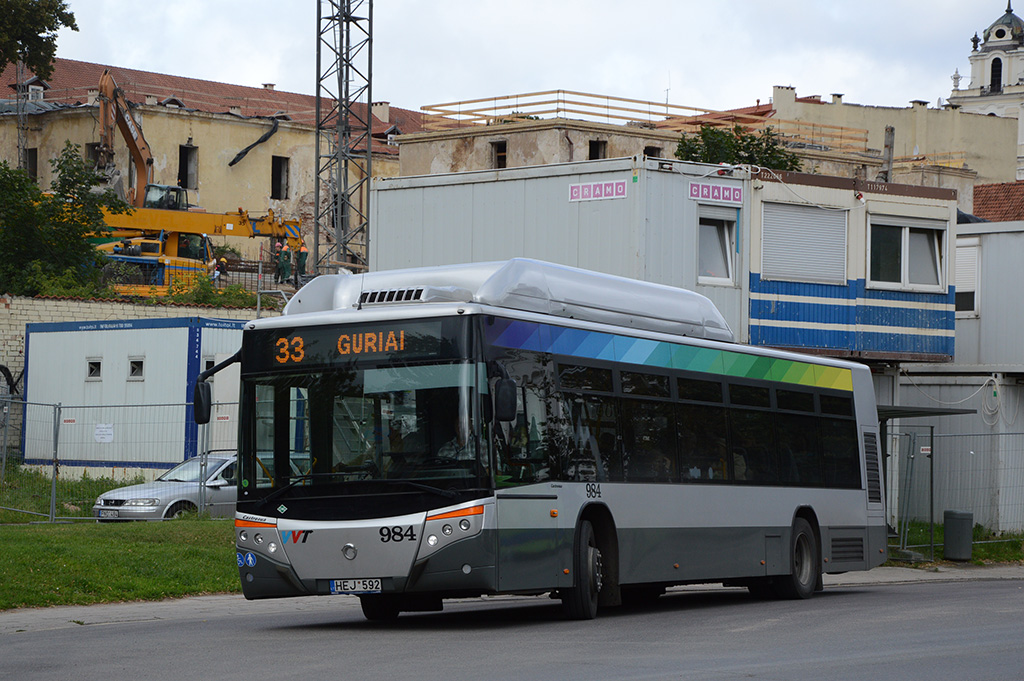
x: 108, y: 513
x: 355, y: 586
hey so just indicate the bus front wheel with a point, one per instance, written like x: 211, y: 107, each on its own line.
x: 806, y: 566
x: 580, y: 602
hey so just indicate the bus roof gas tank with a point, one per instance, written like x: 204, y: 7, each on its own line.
x: 527, y: 285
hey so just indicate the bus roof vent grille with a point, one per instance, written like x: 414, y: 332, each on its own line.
x: 394, y: 295
x: 416, y: 294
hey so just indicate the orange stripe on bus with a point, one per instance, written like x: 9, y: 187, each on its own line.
x: 252, y: 523
x: 475, y: 510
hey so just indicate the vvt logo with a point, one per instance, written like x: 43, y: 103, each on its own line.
x: 295, y: 536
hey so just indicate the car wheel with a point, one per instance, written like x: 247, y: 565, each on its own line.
x: 178, y: 510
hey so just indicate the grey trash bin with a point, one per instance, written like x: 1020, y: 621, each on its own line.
x: 959, y: 529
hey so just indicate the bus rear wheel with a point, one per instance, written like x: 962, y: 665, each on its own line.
x: 580, y: 602
x: 379, y: 607
x: 806, y: 566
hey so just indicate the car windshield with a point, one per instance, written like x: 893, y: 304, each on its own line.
x: 191, y: 470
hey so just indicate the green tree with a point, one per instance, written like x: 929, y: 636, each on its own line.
x: 43, y: 237
x: 735, y: 146
x: 28, y: 32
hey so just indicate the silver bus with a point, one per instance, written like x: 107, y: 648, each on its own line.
x: 526, y: 428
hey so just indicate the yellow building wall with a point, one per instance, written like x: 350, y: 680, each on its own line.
x: 218, y: 138
x: 988, y: 142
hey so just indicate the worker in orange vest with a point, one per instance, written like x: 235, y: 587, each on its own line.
x: 300, y: 263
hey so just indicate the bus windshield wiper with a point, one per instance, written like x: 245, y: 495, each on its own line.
x: 446, y: 493
x: 291, y: 483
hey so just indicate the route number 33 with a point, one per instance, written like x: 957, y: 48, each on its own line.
x: 290, y: 350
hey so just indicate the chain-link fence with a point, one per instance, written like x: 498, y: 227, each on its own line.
x: 929, y: 474
x: 57, y: 460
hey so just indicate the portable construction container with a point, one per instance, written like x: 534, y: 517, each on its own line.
x: 828, y: 265
x: 118, y: 393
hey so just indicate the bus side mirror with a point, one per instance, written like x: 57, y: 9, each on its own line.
x: 505, y: 400
x: 201, y: 399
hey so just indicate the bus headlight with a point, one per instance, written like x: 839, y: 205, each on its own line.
x: 432, y: 540
x: 272, y: 547
x: 464, y: 525
x: 243, y: 536
x: 447, y: 530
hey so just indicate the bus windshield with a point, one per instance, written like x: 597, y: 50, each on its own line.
x: 362, y: 430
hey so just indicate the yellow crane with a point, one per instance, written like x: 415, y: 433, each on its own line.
x: 165, y: 237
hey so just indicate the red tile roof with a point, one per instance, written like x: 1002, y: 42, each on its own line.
x: 72, y: 80
x: 1002, y: 202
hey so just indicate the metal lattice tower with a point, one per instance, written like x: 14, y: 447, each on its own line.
x: 22, y: 91
x: 343, y: 119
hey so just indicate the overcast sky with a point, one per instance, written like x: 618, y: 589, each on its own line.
x: 714, y: 54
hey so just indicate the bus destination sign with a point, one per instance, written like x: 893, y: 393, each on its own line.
x: 282, y: 348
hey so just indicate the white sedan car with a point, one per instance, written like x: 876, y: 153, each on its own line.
x: 182, y: 489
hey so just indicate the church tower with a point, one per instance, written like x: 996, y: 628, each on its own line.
x: 997, y: 76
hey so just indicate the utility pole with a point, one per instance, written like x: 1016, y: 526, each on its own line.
x: 341, y: 194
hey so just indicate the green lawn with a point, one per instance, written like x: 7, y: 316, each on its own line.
x: 987, y: 548
x: 89, y: 562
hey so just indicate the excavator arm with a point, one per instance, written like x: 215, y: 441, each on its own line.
x: 114, y: 110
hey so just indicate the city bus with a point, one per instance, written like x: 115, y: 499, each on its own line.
x: 521, y: 427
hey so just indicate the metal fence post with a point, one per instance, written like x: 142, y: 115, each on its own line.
x: 56, y: 463
x: 7, y: 420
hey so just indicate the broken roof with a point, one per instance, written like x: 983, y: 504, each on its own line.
x: 73, y: 82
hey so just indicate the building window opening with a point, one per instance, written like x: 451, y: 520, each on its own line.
x: 92, y: 153
x: 279, y: 177
x: 598, y: 150
x: 653, y: 152
x: 906, y: 257
x: 997, y: 76
x: 886, y: 253
x: 499, y: 152
x: 93, y: 369
x: 32, y: 163
x: 136, y: 369
x: 188, y: 166
x: 714, y: 247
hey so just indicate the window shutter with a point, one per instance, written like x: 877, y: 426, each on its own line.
x: 717, y: 212
x: 966, y: 268
x: 803, y: 243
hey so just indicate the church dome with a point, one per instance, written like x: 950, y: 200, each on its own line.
x: 1007, y: 27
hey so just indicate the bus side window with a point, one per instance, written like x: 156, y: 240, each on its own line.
x: 799, y: 449
x: 522, y: 446
x: 753, y: 446
x: 648, y: 446
x: 702, y: 441
x: 591, y: 452
x: 842, y: 461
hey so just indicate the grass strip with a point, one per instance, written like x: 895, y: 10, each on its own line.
x: 83, y: 563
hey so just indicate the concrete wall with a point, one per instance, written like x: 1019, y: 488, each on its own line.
x: 528, y: 143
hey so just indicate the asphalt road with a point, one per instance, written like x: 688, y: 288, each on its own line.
x: 964, y: 625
